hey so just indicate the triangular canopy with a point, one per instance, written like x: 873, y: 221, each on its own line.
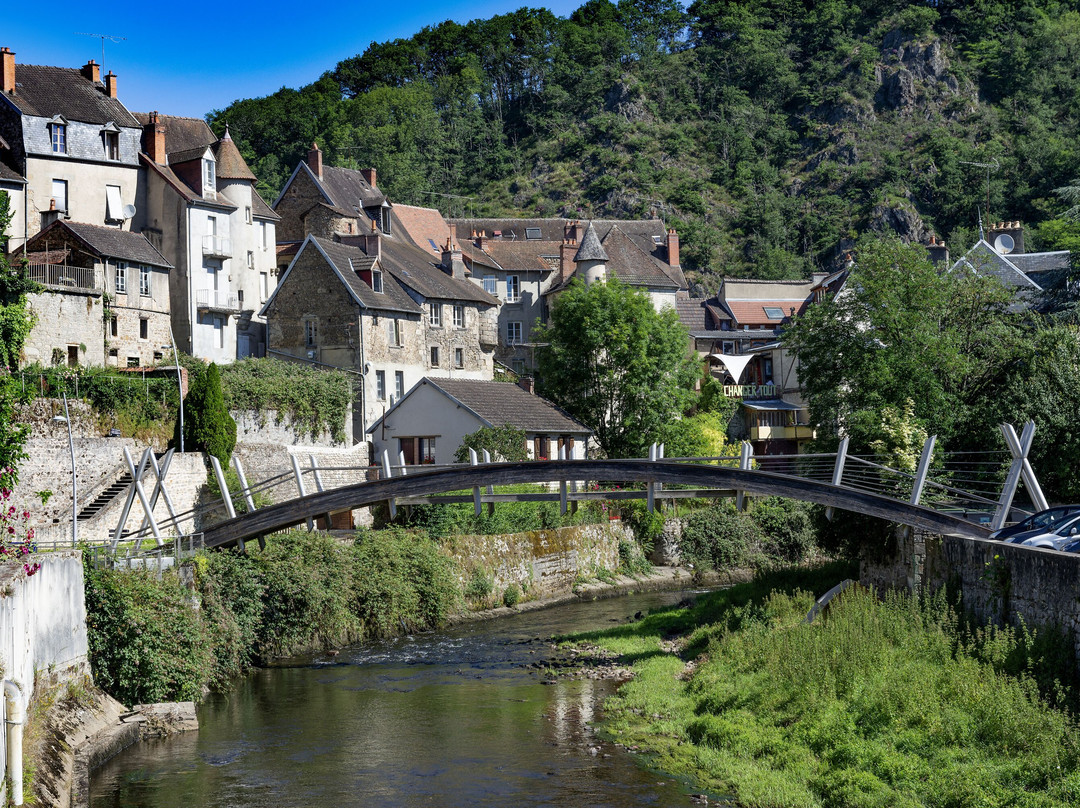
x: 735, y: 364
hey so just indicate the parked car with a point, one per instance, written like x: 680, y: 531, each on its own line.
x: 1046, y: 520
x: 1063, y: 534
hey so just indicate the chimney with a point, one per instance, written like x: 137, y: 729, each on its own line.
x: 369, y: 176
x: 567, y: 266
x: 7, y: 74
x: 573, y: 231
x: 314, y: 160
x: 481, y: 239
x: 938, y: 252
x: 372, y: 241
x: 110, y: 85
x: 1012, y: 230
x: 528, y: 384
x: 91, y: 72
x: 452, y: 262
x: 154, y: 139
x: 672, y: 248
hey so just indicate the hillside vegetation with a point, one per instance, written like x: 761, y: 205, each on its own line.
x: 769, y: 132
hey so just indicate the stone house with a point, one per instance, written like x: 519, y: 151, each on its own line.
x: 67, y: 136
x: 429, y: 423
x: 382, y: 310
x: 105, y: 298
x: 1002, y: 254
x: 203, y: 212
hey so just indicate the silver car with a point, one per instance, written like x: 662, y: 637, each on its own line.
x: 1064, y: 533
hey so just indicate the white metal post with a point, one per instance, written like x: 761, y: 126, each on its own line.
x: 562, y: 484
x: 650, y: 487
x: 388, y: 473
x: 300, y: 485
x: 838, y: 471
x: 746, y: 452
x: 473, y: 461
x: 1020, y: 467
x: 924, y: 468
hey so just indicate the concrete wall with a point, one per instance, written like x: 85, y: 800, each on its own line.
x: 998, y: 582
x: 542, y: 562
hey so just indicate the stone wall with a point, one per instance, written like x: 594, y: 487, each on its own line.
x: 66, y: 319
x: 273, y: 428
x: 999, y: 582
x: 541, y: 562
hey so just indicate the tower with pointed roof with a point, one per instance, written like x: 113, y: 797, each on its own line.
x: 591, y: 259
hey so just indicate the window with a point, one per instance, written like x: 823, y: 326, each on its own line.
x: 513, y: 290
x: 310, y: 333
x: 489, y: 284
x: 399, y: 384
x: 380, y: 385
x: 114, y: 206
x: 459, y: 316
x: 144, y: 281
x: 247, y: 214
x: 219, y: 331
x: 60, y: 194
x: 121, y: 278
x: 251, y: 260
x: 112, y: 145
x: 264, y: 286
x: 264, y: 234
x: 459, y: 357
x: 393, y: 332
x: 513, y: 333
x: 385, y: 216
x: 427, y: 450
x: 240, y: 297
x: 144, y: 328
x: 434, y: 356
x: 58, y: 133
x: 774, y: 312
x: 158, y: 356
x: 133, y: 361
x: 532, y: 233
x: 211, y: 225
x: 209, y: 177
x: 114, y: 330
x: 376, y: 280
x: 435, y: 315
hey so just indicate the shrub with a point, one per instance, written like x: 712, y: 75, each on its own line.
x: 511, y: 596
x: 480, y: 585
x: 208, y: 427
x: 787, y: 530
x: 504, y: 442
x: 718, y: 538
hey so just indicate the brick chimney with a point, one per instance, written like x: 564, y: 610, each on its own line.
x: 573, y: 231
x: 567, y: 252
x: 369, y: 176
x: 91, y: 72
x: 938, y: 252
x: 528, y: 384
x: 7, y: 70
x: 314, y: 160
x: 110, y: 85
x: 1013, y: 230
x: 373, y: 241
x: 154, y: 139
x: 453, y: 263
x: 672, y: 248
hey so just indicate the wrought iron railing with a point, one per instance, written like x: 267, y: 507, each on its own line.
x: 62, y: 276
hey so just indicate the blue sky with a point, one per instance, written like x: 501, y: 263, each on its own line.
x: 184, y: 60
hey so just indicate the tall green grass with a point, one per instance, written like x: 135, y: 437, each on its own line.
x: 884, y: 702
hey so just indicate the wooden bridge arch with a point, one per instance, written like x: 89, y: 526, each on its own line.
x: 279, y: 516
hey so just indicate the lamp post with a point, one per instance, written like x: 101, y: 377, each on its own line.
x: 179, y: 388
x: 66, y: 419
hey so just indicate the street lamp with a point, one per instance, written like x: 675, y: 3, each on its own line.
x: 66, y: 419
x: 179, y: 388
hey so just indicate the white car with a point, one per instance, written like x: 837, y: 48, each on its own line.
x: 1066, y: 532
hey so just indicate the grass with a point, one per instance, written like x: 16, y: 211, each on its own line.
x: 885, y: 702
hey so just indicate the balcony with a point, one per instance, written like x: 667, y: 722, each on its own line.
x: 750, y: 392
x: 796, y: 432
x: 220, y: 302
x: 67, y: 278
x: 216, y: 247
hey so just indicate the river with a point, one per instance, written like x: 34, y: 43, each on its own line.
x: 459, y: 717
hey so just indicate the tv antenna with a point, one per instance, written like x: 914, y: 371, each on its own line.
x: 103, y: 37
x: 994, y: 165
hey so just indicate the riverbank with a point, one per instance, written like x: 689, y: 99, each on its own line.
x: 883, y: 702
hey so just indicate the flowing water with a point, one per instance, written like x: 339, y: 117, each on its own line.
x: 461, y: 717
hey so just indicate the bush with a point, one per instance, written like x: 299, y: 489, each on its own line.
x: 208, y: 427
x: 786, y: 527
x: 505, y: 443
x: 718, y: 538
x: 480, y: 585
x: 511, y: 596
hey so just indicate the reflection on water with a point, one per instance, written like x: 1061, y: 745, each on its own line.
x: 454, y: 718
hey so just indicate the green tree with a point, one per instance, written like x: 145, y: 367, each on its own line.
x: 208, y: 427
x: 16, y: 320
x: 504, y: 442
x: 616, y: 364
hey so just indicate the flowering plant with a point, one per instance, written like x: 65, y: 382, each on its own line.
x: 16, y: 535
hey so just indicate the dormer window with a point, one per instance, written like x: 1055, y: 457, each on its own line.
x: 385, y: 216
x: 110, y: 135
x: 376, y: 280
x: 209, y: 177
x: 58, y: 135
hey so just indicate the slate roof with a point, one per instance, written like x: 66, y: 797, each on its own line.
x: 10, y: 175
x: 415, y: 268
x: 181, y: 134
x: 187, y: 155
x: 392, y: 298
x: 185, y: 190
x: 985, y: 260
x: 259, y: 208
x: 629, y: 263
x: 48, y: 91
x: 108, y: 242
x: 1034, y: 263
x: 691, y: 311
x: 590, y: 249
x: 348, y: 190
x: 501, y: 403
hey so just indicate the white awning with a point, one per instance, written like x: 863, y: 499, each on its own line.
x: 735, y: 364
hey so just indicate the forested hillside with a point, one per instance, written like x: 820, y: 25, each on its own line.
x: 771, y: 133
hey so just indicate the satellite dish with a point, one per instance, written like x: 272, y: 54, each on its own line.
x: 128, y: 212
x: 1004, y: 244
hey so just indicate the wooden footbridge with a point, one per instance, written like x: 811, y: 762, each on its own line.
x: 929, y: 498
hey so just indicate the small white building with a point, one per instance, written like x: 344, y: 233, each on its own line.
x: 430, y: 422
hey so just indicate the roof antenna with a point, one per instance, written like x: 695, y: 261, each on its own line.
x: 994, y: 165
x: 981, y: 236
x: 103, y: 37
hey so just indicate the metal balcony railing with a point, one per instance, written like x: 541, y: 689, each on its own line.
x: 217, y: 246
x: 62, y: 276
x: 208, y: 299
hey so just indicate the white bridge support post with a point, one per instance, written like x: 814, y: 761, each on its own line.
x: 319, y: 487
x: 159, y: 490
x: 562, y: 485
x: 490, y: 488
x: 650, y: 487
x: 226, y: 494
x: 1020, y: 467
x: 746, y: 459
x: 838, y: 471
x: 126, y: 510
x: 474, y: 461
x: 245, y: 489
x: 299, y: 475
x: 923, y: 470
x: 388, y: 474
